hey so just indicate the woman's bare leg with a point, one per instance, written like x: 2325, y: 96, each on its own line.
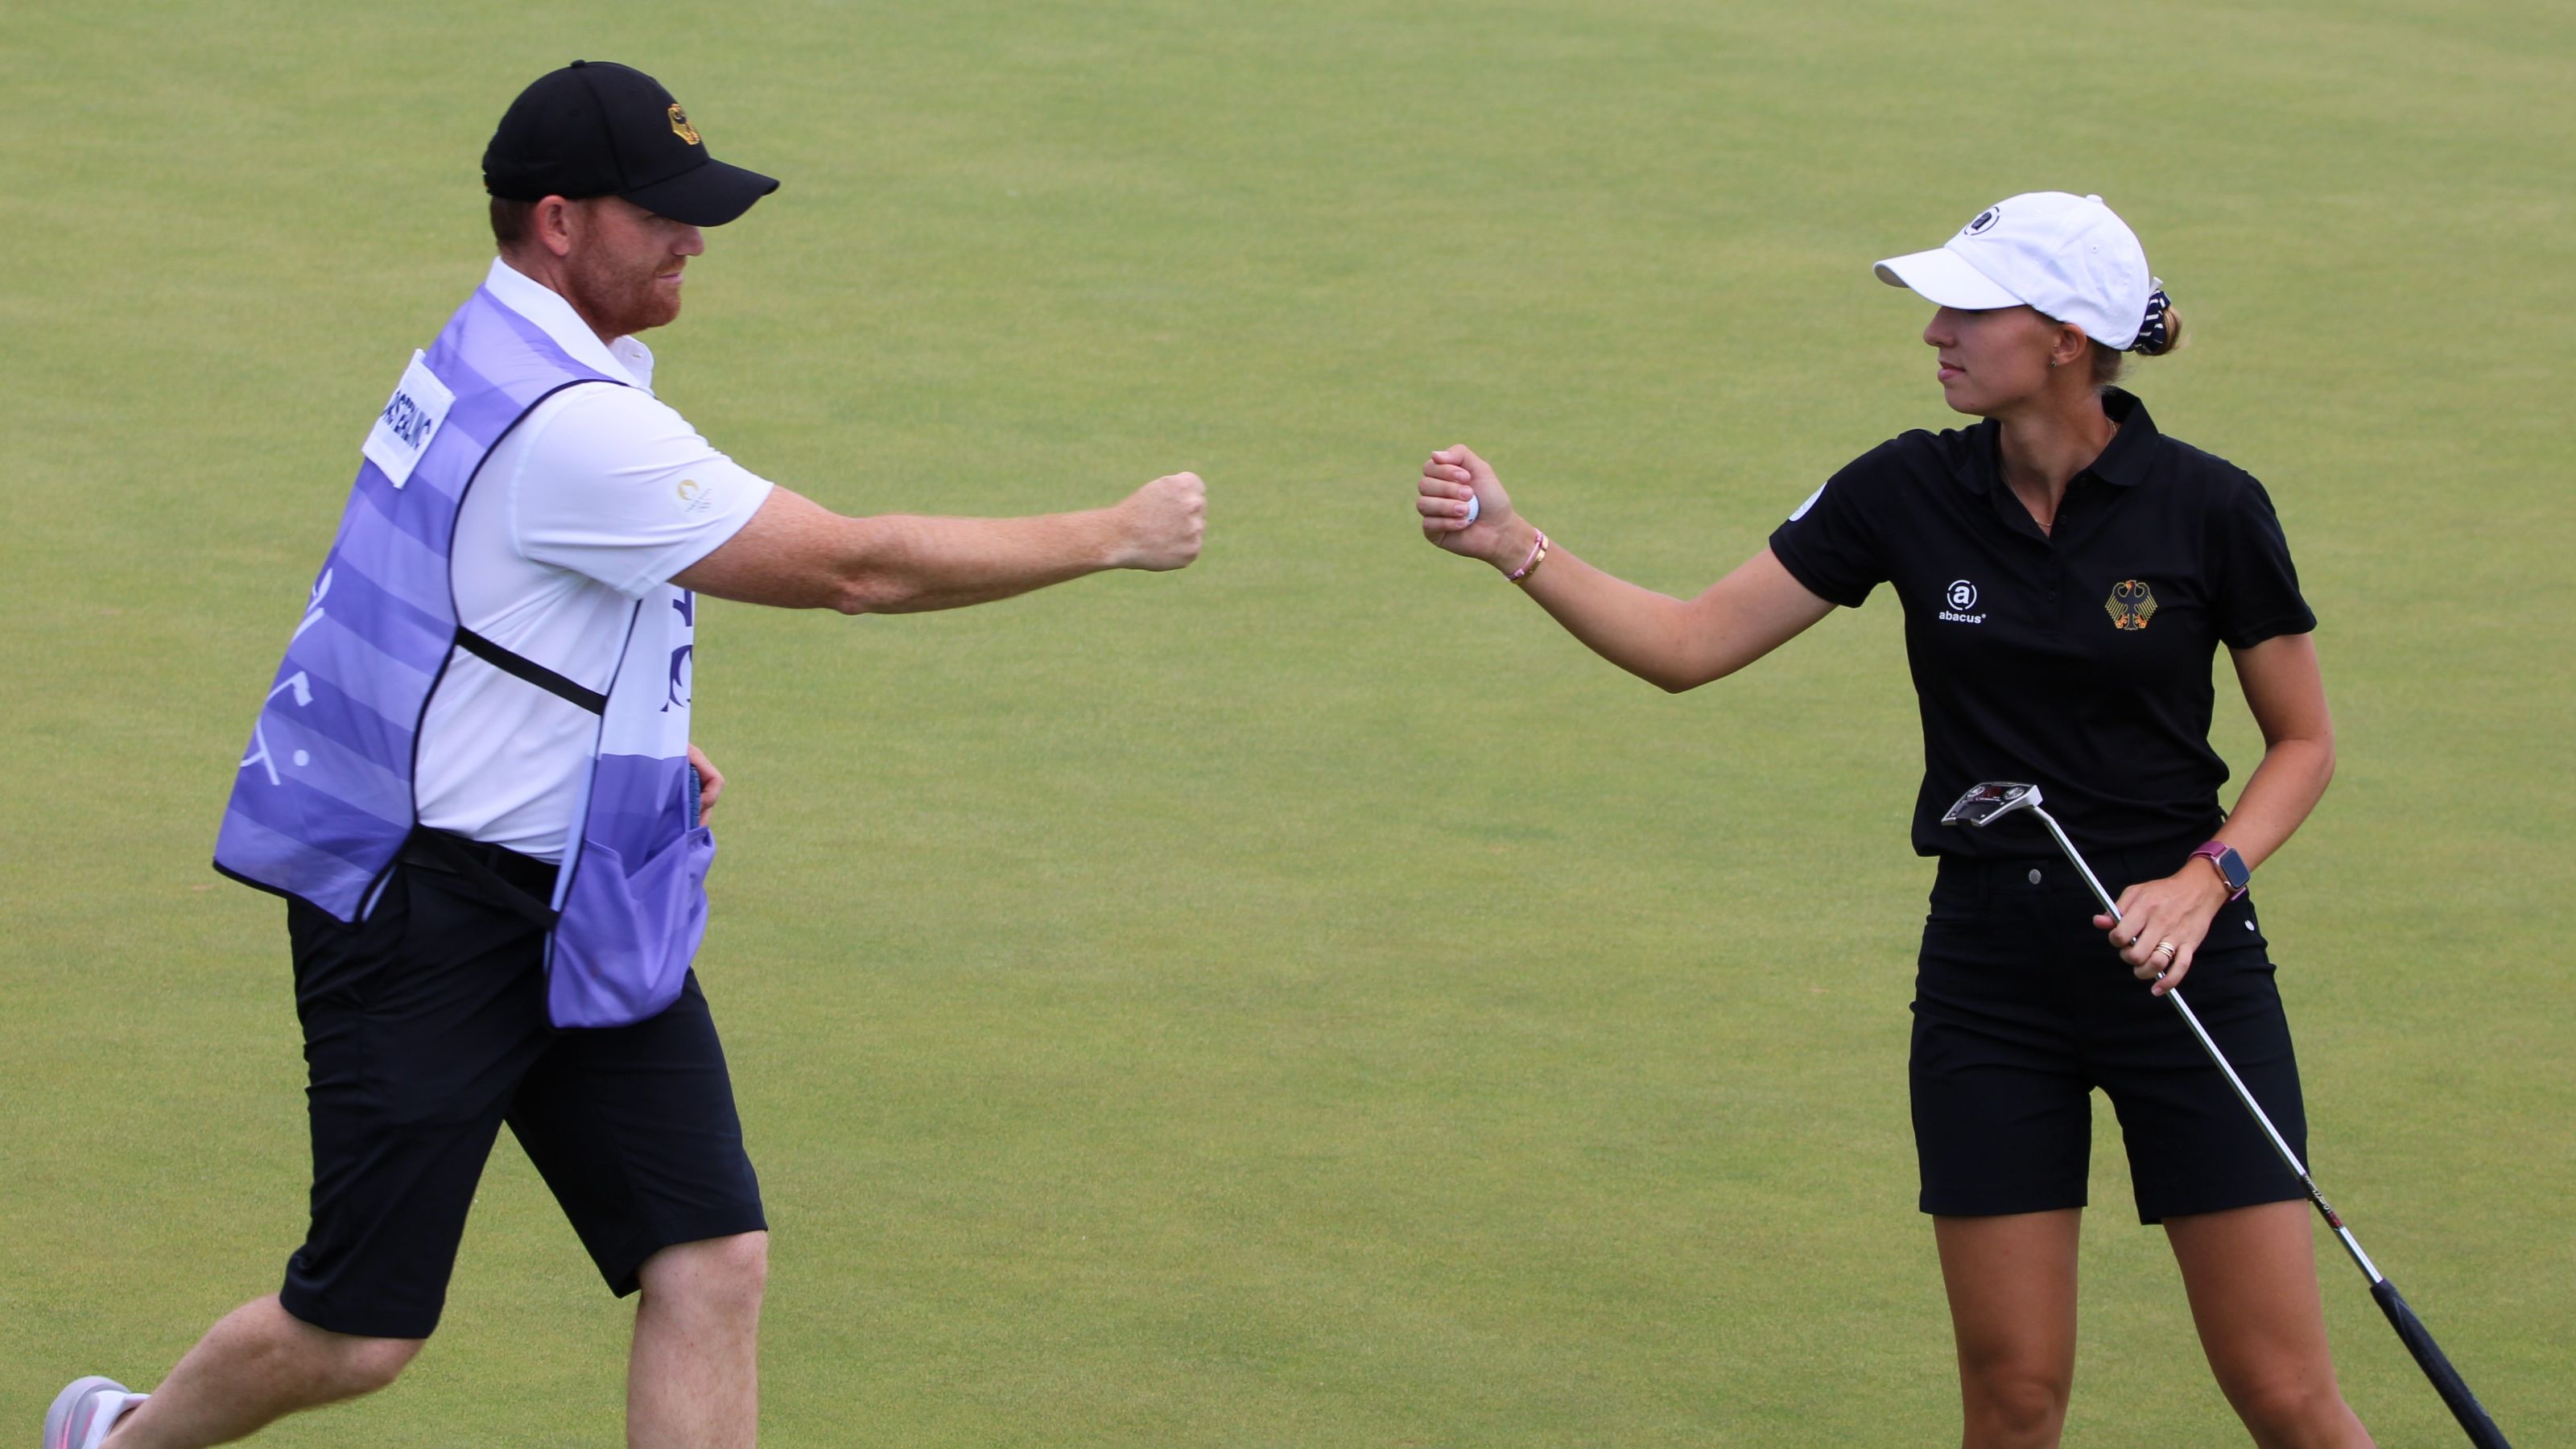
x: 2252, y: 1276
x: 2011, y: 1281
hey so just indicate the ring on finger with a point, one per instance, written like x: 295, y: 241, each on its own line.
x: 2165, y: 948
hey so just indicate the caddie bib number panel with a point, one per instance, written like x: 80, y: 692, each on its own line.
x: 409, y: 423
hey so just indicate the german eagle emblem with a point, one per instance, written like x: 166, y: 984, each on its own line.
x: 2131, y: 604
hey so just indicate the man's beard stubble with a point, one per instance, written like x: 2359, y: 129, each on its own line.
x: 621, y: 302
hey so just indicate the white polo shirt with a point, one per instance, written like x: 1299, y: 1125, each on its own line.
x: 600, y: 494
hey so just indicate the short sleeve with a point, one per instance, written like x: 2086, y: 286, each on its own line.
x: 1831, y: 545
x: 2258, y: 588
x: 617, y: 487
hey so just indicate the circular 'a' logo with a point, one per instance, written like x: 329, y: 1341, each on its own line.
x: 2131, y: 604
x: 1962, y: 595
x: 1982, y: 223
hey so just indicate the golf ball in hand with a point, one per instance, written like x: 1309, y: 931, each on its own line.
x: 1475, y: 506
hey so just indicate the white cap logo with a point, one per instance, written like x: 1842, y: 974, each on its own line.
x: 1984, y: 219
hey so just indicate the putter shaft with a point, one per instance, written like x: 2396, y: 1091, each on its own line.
x: 2280, y: 1144
x: 1993, y: 799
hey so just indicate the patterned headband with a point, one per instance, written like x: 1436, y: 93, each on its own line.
x: 2155, y: 332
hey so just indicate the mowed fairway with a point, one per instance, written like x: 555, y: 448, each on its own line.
x: 1306, y: 1000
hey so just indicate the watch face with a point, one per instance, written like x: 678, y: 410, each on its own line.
x: 2232, y: 867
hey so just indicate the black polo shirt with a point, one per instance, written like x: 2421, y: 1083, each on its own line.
x: 2079, y: 659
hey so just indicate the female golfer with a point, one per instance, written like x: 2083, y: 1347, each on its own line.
x: 2067, y: 573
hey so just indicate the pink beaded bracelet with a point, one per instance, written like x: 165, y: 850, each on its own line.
x: 1537, y: 556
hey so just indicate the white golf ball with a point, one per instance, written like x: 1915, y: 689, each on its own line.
x: 1475, y: 505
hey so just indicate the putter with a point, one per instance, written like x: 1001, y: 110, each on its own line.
x: 1995, y: 799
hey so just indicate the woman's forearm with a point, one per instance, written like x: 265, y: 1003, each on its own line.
x: 2279, y: 795
x: 2286, y: 691
x: 1676, y: 644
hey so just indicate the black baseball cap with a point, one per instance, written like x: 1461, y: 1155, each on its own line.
x: 597, y: 128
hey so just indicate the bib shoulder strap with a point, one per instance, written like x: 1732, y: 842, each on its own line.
x: 519, y: 666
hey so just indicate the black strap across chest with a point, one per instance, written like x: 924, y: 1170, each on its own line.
x: 520, y: 666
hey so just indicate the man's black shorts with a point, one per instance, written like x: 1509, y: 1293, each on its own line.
x: 2022, y: 1008
x: 424, y: 1030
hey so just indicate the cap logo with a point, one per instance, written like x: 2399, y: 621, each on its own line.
x: 680, y: 126
x: 1983, y: 223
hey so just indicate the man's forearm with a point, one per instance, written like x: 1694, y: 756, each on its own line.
x: 908, y: 564
x: 794, y: 554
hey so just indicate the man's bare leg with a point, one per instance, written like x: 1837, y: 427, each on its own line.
x: 256, y: 1366
x: 693, y: 1381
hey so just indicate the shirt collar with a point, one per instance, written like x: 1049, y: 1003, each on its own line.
x: 624, y: 358
x: 2122, y: 463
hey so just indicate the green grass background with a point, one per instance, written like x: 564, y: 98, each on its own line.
x: 1306, y: 1000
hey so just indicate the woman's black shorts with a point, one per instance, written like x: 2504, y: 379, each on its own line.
x: 2021, y: 1009
x: 424, y: 1030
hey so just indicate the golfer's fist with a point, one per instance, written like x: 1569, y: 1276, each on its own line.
x: 1451, y: 479
x: 2164, y: 922
x: 1164, y: 522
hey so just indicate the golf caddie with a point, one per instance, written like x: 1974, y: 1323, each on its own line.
x: 473, y: 781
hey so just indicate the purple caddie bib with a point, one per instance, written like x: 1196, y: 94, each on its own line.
x: 325, y: 798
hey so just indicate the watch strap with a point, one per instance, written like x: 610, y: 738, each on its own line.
x: 2231, y: 867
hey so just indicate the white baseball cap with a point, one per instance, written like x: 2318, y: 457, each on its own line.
x: 2066, y: 256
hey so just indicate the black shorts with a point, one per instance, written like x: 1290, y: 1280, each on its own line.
x: 2021, y: 1009
x: 424, y: 1030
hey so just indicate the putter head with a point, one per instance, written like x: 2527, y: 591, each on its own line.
x: 1987, y: 803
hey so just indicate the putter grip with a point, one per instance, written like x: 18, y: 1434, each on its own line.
x: 2482, y: 1431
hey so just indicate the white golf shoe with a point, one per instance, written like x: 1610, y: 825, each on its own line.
x: 85, y: 1410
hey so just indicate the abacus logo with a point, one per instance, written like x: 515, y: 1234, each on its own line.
x: 1961, y: 596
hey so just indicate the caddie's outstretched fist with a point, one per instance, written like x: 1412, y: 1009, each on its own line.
x: 1166, y: 521
x: 1462, y: 503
